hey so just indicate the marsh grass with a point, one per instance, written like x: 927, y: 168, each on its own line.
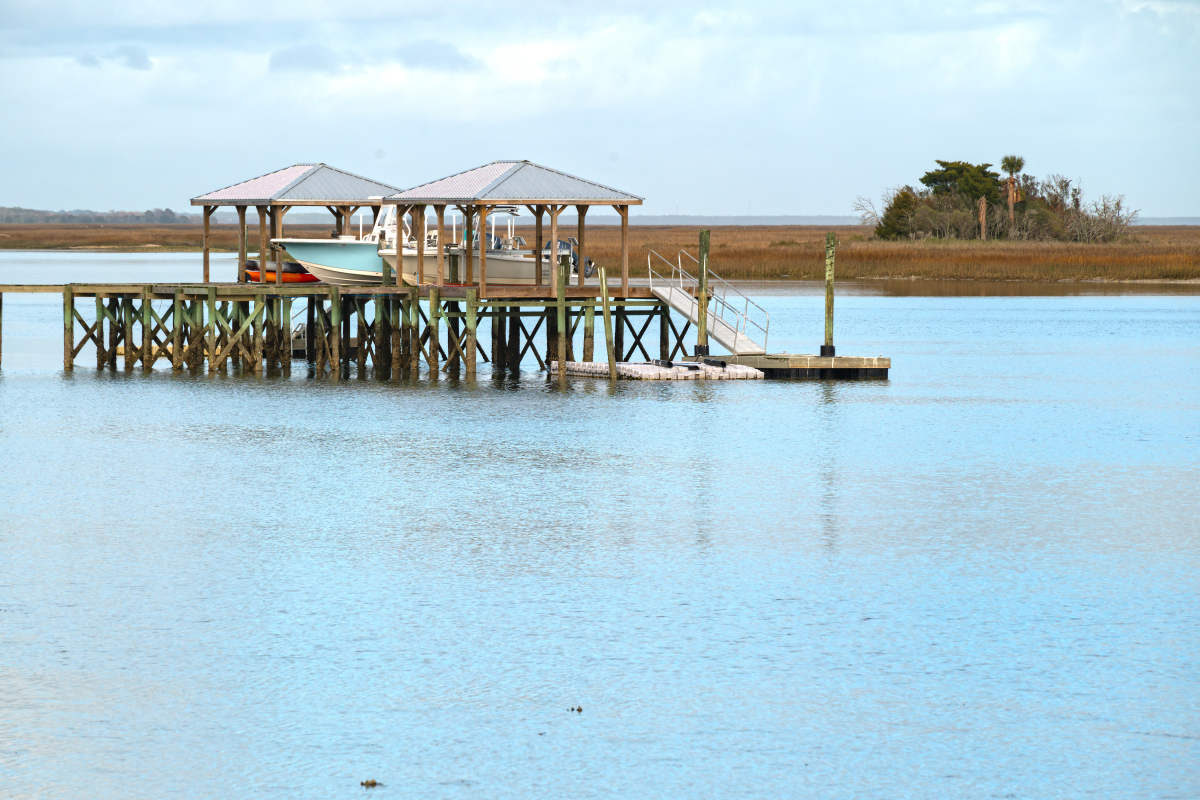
x: 758, y: 252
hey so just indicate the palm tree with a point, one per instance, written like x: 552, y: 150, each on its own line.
x: 1012, y: 165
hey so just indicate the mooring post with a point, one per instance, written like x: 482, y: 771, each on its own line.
x: 405, y: 331
x: 310, y: 319
x: 346, y: 314
x: 360, y: 327
x: 435, y: 313
x: 561, y: 317
x: 68, y: 327
x: 827, y: 349
x: 471, y: 354
x: 114, y: 330
x: 453, y: 356
x: 702, y: 297
x: 664, y: 332
x: 127, y: 323
x: 608, y: 328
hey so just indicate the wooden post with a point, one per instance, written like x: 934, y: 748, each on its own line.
x: 664, y: 332
x: 127, y: 324
x: 114, y: 330
x: 453, y: 358
x: 582, y: 212
x: 345, y: 314
x: 210, y: 334
x: 208, y: 212
x: 147, y: 331
x: 406, y: 355
x: 484, y: 244
x: 285, y: 354
x: 589, y: 331
x: 418, y: 229
x: 387, y: 279
x: 702, y: 297
x: 441, y: 245
x: 471, y: 354
x: 435, y: 314
x: 278, y: 219
x: 537, y: 240
x: 395, y: 309
x: 415, y: 331
x: 619, y: 333
x: 563, y: 275
x: 310, y: 341
x: 498, y: 337
x: 554, y: 212
x: 262, y: 243
x: 242, y: 236
x: 360, y: 329
x: 513, y: 360
x: 335, y: 333
x: 68, y: 326
x: 624, y: 212
x: 468, y: 240
x: 259, y: 323
x: 608, y: 326
x: 176, y: 331
x: 827, y: 349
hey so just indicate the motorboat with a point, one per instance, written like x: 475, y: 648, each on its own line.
x: 292, y: 273
x: 359, y: 260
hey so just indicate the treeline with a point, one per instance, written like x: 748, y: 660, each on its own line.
x: 157, y: 216
x: 960, y: 200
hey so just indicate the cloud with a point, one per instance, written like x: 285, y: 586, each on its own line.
x: 88, y: 60
x: 305, y: 58
x: 432, y: 54
x: 132, y: 56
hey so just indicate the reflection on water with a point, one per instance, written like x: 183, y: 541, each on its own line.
x: 974, y: 579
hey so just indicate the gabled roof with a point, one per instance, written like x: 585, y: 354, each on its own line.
x: 517, y: 183
x: 300, y: 184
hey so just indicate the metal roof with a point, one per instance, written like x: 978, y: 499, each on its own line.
x: 514, y: 182
x: 300, y: 184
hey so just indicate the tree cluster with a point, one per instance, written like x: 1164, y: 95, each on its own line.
x: 960, y: 200
x: 157, y: 216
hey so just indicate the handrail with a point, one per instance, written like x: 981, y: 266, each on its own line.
x: 722, y: 305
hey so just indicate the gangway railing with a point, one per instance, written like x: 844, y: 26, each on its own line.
x: 735, y: 309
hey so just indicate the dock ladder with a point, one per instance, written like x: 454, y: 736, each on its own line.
x: 734, y: 320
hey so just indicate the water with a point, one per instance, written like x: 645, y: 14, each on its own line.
x: 976, y: 579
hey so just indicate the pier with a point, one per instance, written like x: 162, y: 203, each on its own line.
x: 407, y: 323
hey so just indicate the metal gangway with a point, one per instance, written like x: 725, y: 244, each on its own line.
x: 734, y: 321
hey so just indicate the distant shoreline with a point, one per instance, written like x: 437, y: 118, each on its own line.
x: 1161, y: 254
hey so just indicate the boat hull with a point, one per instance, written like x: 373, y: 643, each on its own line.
x: 339, y: 262
x: 506, y: 270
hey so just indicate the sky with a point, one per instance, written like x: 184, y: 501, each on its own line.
x: 699, y: 107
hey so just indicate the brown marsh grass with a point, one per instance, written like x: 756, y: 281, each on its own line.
x: 745, y: 252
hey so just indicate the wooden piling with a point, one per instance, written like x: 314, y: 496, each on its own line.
x: 344, y: 315
x: 286, y: 315
x: 435, y: 314
x: 664, y: 332
x: 176, y: 329
x: 619, y: 333
x: 454, y: 358
x: 127, y: 325
x: 335, y: 332
x: 702, y: 297
x: 360, y: 329
x: 828, y: 349
x: 608, y: 326
x: 112, y: 311
x: 513, y: 357
x: 208, y: 212
x: 498, y: 337
x: 471, y: 354
x: 309, y: 337
x: 210, y: 331
x: 589, y: 332
x: 395, y: 308
x: 414, y: 329
x: 561, y: 316
x: 147, y: 330
x: 259, y: 324
x: 68, y: 327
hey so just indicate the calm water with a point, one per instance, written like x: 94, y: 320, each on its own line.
x: 976, y: 579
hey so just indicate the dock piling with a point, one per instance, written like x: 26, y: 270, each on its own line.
x: 471, y: 354
x: 827, y: 349
x: 68, y: 327
x: 608, y: 327
x: 702, y: 296
x: 561, y: 316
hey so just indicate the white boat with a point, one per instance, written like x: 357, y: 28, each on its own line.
x: 359, y: 261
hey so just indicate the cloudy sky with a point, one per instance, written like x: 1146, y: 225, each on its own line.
x: 708, y: 108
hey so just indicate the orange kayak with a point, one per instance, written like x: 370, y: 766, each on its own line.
x: 252, y: 275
